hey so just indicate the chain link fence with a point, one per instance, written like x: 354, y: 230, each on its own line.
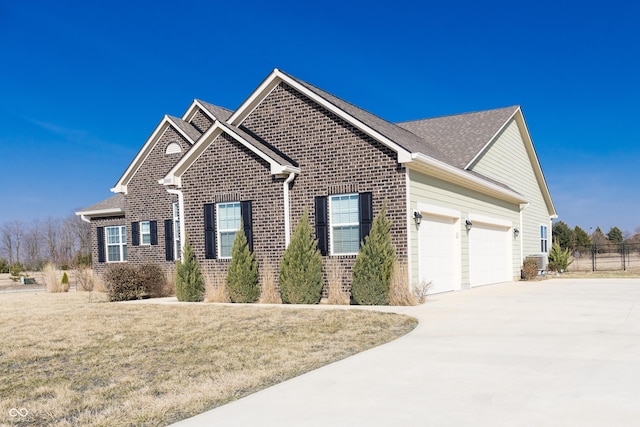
x: 607, y: 257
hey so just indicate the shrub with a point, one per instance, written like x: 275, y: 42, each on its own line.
x: 530, y: 268
x: 153, y: 280
x: 123, y: 282
x: 84, y: 278
x: 301, y: 267
x: 242, y: 275
x: 64, y: 282
x: 4, y: 266
x: 269, y: 293
x: 399, y: 293
x: 420, y: 291
x: 15, y: 271
x: 336, y: 294
x: 374, y: 264
x: 189, y: 280
x: 559, y: 258
x: 82, y: 260
x: 52, y: 281
x: 215, y: 288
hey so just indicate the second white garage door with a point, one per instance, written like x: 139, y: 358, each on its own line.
x: 438, y: 250
x: 489, y: 254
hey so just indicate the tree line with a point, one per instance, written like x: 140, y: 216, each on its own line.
x: 62, y: 241
x: 577, y: 239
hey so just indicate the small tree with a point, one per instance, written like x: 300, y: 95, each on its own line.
x: 189, y: 280
x: 242, y: 276
x: 559, y: 258
x: 301, y: 267
x: 374, y: 264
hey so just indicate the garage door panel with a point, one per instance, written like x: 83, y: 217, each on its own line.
x: 489, y: 254
x: 438, y: 253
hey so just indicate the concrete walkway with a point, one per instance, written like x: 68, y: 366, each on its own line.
x: 551, y: 353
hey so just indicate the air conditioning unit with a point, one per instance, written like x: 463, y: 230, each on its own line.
x: 542, y: 262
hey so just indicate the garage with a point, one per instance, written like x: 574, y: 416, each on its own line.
x: 438, y: 251
x: 489, y: 253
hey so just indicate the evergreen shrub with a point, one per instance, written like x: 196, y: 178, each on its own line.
x: 242, y: 275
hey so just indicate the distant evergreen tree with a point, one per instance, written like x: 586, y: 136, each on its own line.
x: 374, y: 264
x: 615, y: 235
x: 563, y: 235
x: 583, y: 241
x: 301, y: 267
x: 242, y: 276
x: 189, y: 280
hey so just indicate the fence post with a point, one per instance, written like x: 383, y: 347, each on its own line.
x: 593, y: 257
x: 624, y: 257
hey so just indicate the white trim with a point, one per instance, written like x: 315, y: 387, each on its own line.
x: 122, y: 244
x: 101, y: 212
x: 141, y: 234
x: 492, y: 139
x: 438, y: 210
x: 410, y: 224
x: 181, y: 218
x: 522, y: 233
x: 490, y: 220
x: 331, y: 225
x: 220, y: 230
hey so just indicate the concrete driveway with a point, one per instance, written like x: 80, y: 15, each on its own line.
x: 552, y: 353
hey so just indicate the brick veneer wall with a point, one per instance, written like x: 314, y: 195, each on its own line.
x: 228, y: 171
x: 201, y: 121
x: 334, y: 158
x: 147, y: 200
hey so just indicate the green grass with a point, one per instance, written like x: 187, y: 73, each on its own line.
x: 70, y: 361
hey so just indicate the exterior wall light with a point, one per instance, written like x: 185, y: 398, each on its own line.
x: 516, y: 232
x: 417, y: 217
x: 468, y: 224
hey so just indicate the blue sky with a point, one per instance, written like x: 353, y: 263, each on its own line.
x: 83, y: 84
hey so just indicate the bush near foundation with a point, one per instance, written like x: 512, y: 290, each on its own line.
x: 530, y: 268
x: 242, y: 276
x: 123, y: 282
x: 189, y: 279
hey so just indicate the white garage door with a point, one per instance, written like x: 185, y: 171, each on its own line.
x: 438, y: 251
x: 489, y: 254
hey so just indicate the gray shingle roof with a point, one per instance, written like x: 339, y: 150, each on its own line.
x: 219, y: 113
x: 460, y: 137
x: 263, y: 146
x: 187, y: 128
x: 113, y: 203
x: 403, y: 137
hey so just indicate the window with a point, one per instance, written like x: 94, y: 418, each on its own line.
x: 176, y: 230
x: 228, y: 216
x: 116, y: 243
x: 543, y: 239
x: 344, y: 220
x: 145, y: 233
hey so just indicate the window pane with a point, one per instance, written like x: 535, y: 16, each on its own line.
x: 113, y: 235
x: 346, y: 239
x: 344, y: 209
x: 226, y: 242
x: 229, y: 216
x: 145, y: 232
x: 113, y: 253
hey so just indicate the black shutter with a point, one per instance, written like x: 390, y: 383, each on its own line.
x: 100, y: 239
x: 322, y: 226
x: 153, y: 230
x: 210, y: 231
x: 366, y: 215
x: 135, y: 233
x: 247, y: 222
x: 168, y: 239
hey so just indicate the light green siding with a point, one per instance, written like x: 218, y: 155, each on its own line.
x: 508, y: 161
x: 433, y: 191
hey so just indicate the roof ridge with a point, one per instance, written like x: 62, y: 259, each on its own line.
x: 458, y: 114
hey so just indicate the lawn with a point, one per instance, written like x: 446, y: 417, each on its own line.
x: 69, y: 360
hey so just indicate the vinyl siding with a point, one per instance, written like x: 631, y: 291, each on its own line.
x: 508, y: 161
x: 434, y: 191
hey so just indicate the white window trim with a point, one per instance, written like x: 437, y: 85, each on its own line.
x: 350, y: 224
x: 220, y: 230
x: 143, y: 233
x: 545, y: 238
x: 122, y: 234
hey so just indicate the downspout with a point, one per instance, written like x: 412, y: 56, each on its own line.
x: 181, y: 215
x: 522, y: 207
x: 287, y: 221
x: 85, y: 219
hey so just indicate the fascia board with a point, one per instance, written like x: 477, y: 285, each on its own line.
x: 191, y: 111
x: 444, y: 171
x: 272, y: 81
x: 102, y: 212
x: 180, y: 131
x: 535, y: 162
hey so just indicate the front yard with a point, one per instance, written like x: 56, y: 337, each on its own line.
x: 68, y: 360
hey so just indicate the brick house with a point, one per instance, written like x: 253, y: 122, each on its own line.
x: 465, y: 193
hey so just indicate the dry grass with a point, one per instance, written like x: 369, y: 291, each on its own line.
x: 70, y: 362
x: 337, y: 295
x: 52, y: 279
x: 215, y: 288
x: 399, y: 292
x: 269, y: 293
x: 420, y: 291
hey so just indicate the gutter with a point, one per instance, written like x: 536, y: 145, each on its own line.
x: 287, y: 209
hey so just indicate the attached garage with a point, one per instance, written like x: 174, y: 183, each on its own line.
x: 439, y: 251
x: 489, y: 252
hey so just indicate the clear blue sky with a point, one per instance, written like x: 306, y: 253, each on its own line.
x: 83, y: 83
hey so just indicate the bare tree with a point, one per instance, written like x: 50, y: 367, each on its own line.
x: 12, y: 236
x: 32, y: 243
x: 6, y: 239
x: 51, y: 230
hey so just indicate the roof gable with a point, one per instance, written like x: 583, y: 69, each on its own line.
x: 113, y: 206
x: 215, y: 112
x: 182, y: 127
